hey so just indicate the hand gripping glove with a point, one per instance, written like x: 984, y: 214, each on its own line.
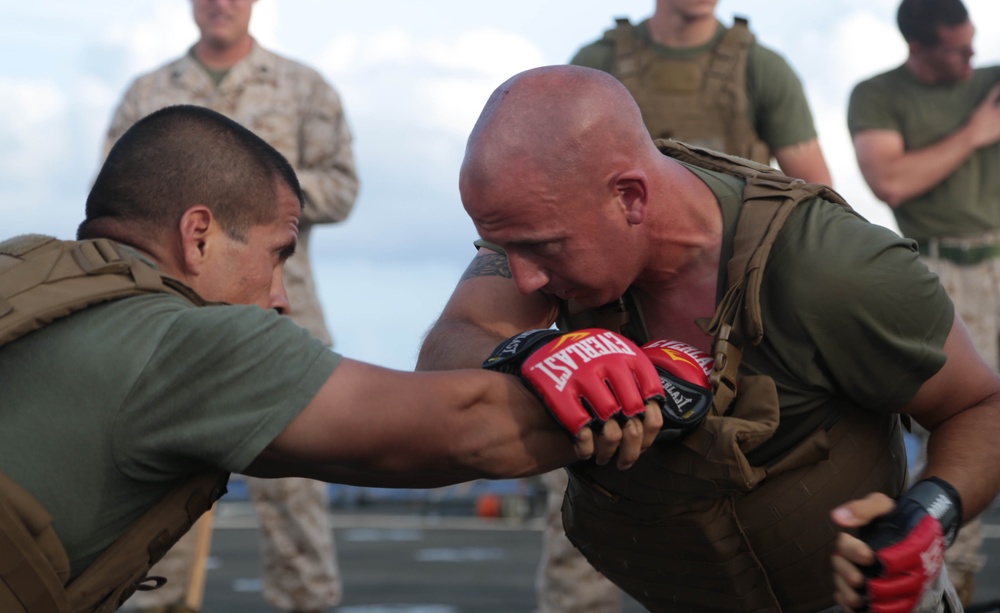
x: 683, y: 372
x: 909, y: 544
x: 584, y: 377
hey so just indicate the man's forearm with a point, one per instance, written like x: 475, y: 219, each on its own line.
x: 963, y: 452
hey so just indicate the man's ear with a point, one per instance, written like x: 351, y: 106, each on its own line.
x: 197, y: 229
x: 633, y: 193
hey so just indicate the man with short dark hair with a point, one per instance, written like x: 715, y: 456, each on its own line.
x: 927, y: 139
x: 109, y: 407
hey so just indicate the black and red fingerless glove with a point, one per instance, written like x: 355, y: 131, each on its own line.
x: 909, y: 544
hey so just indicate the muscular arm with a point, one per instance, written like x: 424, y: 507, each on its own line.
x: 896, y: 175
x: 484, y: 309
x: 325, y: 166
x: 804, y: 161
x: 960, y: 406
x: 373, y: 426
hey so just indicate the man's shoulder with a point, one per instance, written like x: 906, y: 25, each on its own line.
x: 883, y: 82
x: 164, y: 71
x: 283, y: 65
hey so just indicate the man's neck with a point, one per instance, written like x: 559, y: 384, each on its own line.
x: 219, y: 57
x: 674, y: 30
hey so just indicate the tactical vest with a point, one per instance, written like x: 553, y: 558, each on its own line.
x: 700, y: 100
x: 43, y: 279
x: 695, y: 526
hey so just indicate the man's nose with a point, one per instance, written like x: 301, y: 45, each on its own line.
x: 528, y: 276
x: 279, y: 297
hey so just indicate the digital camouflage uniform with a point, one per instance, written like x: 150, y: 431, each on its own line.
x: 776, y: 109
x: 957, y: 224
x: 293, y: 108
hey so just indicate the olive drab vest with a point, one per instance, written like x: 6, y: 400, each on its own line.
x: 43, y: 279
x: 695, y: 526
x: 700, y: 100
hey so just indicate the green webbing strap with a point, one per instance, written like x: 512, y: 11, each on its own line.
x: 726, y: 57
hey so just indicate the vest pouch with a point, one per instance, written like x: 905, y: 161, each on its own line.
x: 709, y: 462
x: 676, y: 77
x: 722, y: 441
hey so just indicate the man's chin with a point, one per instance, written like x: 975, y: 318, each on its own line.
x: 588, y: 300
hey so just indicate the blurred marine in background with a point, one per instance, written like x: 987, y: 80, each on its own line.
x: 927, y: 139
x: 295, y: 110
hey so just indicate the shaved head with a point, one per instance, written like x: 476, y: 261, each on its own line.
x: 560, y: 120
x: 556, y: 172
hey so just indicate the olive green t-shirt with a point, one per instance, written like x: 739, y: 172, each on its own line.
x: 776, y: 103
x: 105, y: 410
x: 852, y: 318
x: 967, y: 203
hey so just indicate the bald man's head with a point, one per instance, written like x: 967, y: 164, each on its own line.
x: 556, y: 173
x: 559, y: 120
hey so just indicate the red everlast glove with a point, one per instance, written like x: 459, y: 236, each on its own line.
x: 683, y: 371
x: 584, y: 377
x: 909, y: 544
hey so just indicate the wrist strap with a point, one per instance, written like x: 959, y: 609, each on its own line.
x: 942, y: 502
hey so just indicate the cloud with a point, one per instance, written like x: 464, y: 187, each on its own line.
x: 411, y: 101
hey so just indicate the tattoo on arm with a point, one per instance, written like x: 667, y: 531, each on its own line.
x: 490, y: 265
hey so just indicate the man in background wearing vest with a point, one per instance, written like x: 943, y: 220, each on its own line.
x: 291, y: 107
x: 701, y: 83
x: 155, y: 352
x: 582, y: 217
x: 749, y: 104
x: 927, y: 139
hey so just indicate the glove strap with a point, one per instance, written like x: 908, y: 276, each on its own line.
x: 508, y: 356
x: 942, y: 502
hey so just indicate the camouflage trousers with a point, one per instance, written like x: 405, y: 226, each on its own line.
x: 298, y: 558
x: 975, y: 290
x: 566, y: 582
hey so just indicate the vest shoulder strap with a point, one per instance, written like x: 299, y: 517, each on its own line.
x: 729, y: 59
x: 43, y: 279
x: 626, y: 48
x: 769, y: 198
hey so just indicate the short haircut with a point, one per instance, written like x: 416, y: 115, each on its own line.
x: 185, y: 155
x: 919, y: 20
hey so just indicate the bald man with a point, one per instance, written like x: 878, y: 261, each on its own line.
x: 577, y: 208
